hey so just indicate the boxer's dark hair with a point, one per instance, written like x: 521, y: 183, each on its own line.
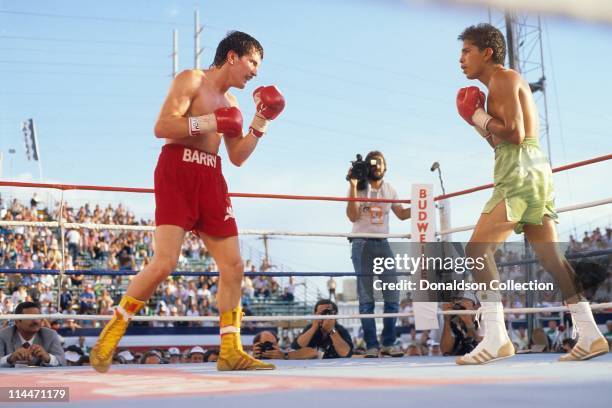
x: 239, y: 42
x: 486, y: 36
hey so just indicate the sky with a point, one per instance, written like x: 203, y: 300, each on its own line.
x: 356, y: 75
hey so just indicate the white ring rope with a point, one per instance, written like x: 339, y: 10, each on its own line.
x: 75, y: 225
x: 585, y: 205
x: 59, y: 316
x: 324, y: 234
x: 48, y: 224
x: 560, y: 210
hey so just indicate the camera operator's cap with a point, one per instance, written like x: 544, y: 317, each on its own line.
x: 174, y: 351
x: 197, y: 349
x: 126, y: 355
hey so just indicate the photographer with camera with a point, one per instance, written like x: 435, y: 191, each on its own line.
x: 265, y: 347
x: 366, y: 181
x: 326, y: 335
x: 460, y: 332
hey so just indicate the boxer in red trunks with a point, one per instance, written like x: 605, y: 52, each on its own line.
x: 191, y: 193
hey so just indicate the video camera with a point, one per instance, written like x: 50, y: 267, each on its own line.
x: 360, y: 170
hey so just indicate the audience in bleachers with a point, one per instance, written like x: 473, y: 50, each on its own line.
x: 38, y: 248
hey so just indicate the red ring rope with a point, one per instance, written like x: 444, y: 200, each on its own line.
x: 555, y: 170
x: 287, y: 196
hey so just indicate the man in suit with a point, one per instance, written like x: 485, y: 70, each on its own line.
x: 28, y: 343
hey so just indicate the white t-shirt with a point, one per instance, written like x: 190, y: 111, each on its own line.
x: 74, y: 237
x: 374, y: 217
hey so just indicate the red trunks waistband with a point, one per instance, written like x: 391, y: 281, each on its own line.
x: 178, y: 153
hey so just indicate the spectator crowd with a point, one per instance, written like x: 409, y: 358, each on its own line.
x: 23, y: 247
x: 118, y: 250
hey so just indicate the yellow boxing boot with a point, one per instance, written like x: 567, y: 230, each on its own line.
x: 101, y: 355
x: 231, y: 355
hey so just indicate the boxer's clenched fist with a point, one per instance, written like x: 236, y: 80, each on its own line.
x: 470, y: 104
x: 224, y: 120
x: 269, y: 103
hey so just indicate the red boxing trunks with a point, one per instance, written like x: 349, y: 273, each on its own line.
x: 190, y: 192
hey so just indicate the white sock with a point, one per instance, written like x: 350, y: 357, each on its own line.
x: 492, y: 315
x: 584, y: 322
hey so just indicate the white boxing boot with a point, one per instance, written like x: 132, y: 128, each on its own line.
x: 496, y: 345
x: 591, y: 343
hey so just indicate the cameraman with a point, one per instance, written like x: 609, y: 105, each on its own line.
x: 265, y: 346
x: 459, y: 334
x: 326, y: 335
x: 373, y: 218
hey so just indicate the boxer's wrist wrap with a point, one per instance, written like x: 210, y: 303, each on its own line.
x: 484, y: 133
x: 259, y: 125
x: 481, y: 118
x: 202, y: 124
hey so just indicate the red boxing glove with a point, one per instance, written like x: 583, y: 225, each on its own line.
x: 482, y: 99
x: 470, y: 104
x: 468, y: 100
x: 224, y: 120
x: 269, y: 103
x: 229, y: 121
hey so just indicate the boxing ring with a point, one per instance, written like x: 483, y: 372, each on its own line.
x: 526, y: 379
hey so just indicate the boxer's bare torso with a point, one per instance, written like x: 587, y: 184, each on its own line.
x: 196, y: 94
x: 510, y: 98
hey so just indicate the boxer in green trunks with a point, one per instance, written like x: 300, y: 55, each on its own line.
x: 522, y: 199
